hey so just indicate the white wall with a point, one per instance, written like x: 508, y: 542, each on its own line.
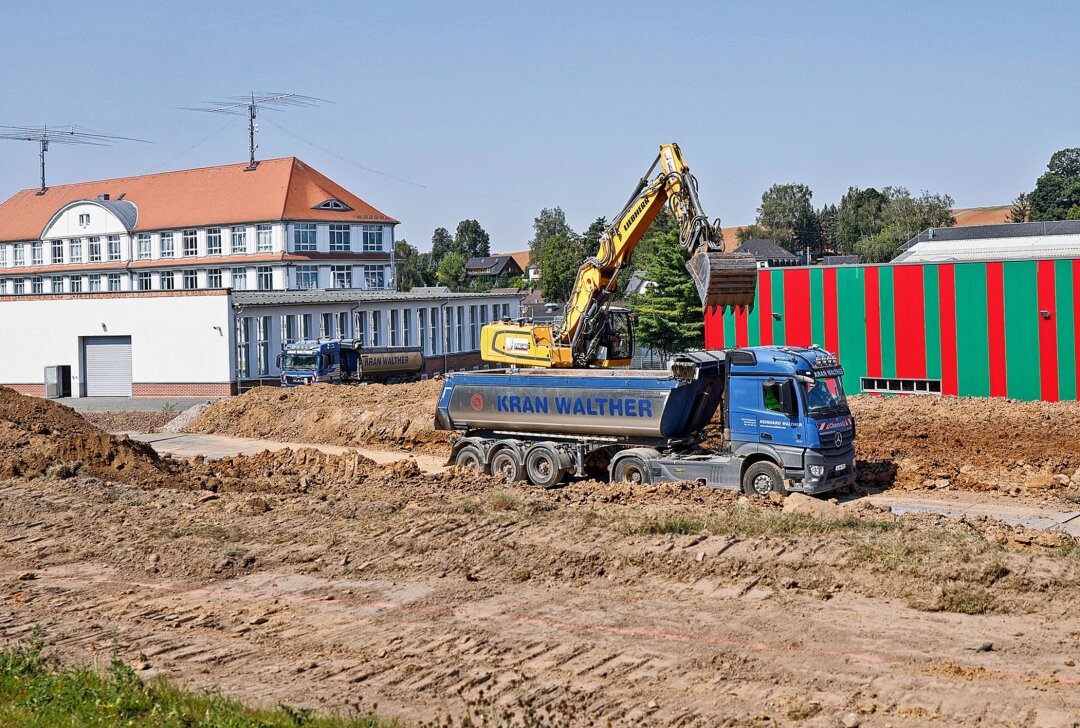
x: 172, y: 337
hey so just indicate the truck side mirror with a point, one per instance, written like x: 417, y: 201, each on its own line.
x: 277, y: 362
x: 789, y: 403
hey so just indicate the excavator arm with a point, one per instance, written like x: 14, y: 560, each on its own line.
x: 585, y: 337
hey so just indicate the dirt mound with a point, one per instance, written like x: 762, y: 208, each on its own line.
x: 398, y: 415
x: 128, y: 421
x: 38, y: 437
x: 967, y: 443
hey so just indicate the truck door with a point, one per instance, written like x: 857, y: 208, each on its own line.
x: 744, y: 408
x: 779, y: 413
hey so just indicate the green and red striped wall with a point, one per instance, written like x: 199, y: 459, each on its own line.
x: 997, y: 329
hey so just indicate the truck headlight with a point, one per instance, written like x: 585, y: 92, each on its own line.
x: 817, y: 470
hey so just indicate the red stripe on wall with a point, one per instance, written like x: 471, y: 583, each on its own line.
x: 995, y: 313
x: 909, y: 315
x: 764, y: 298
x: 832, y: 327
x: 1048, y: 346
x: 741, y: 329
x: 797, y: 312
x: 714, y: 328
x: 873, y: 323
x: 947, y: 307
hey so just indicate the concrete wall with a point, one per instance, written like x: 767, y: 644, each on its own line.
x: 175, y: 348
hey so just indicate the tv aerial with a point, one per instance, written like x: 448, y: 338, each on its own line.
x: 249, y: 106
x: 45, y: 135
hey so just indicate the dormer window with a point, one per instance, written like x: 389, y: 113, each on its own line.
x: 332, y: 204
x: 84, y: 219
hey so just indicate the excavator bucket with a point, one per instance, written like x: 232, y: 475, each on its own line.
x: 724, y: 279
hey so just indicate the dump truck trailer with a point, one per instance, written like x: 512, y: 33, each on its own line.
x: 784, y: 422
x: 347, y: 361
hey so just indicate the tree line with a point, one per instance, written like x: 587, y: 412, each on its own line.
x: 1057, y: 191
x: 445, y: 263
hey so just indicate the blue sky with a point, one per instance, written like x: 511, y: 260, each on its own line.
x: 493, y: 110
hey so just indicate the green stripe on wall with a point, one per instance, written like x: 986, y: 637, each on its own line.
x: 817, y: 307
x: 1022, y: 330
x: 932, y: 317
x: 1065, y: 318
x: 729, y: 329
x: 888, y: 321
x: 972, y: 341
x: 753, y: 326
x: 778, y: 306
x: 851, y: 306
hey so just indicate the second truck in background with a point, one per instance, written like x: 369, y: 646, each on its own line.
x: 347, y: 361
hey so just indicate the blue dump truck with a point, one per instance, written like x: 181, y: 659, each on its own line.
x: 347, y: 361
x: 784, y: 426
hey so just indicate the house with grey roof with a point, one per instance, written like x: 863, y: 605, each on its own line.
x: 767, y: 253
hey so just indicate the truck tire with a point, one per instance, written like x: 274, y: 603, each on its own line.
x: 469, y: 456
x: 544, y: 466
x: 631, y: 469
x: 506, y: 466
x: 763, y: 478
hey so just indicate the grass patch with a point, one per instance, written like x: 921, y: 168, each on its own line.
x: 36, y: 692
x: 742, y: 520
x: 503, y: 501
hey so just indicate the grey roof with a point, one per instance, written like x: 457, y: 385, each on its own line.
x: 355, y: 295
x: 765, y: 249
x: 841, y: 260
x: 1060, y: 238
x: 491, y: 265
x: 124, y: 210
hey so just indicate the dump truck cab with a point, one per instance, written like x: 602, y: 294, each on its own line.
x: 310, y: 361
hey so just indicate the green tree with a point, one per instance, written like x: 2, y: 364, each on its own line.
x: 1058, y: 189
x: 826, y: 218
x: 411, y: 267
x: 451, y: 271
x: 787, y: 214
x: 441, y: 244
x: 1073, y: 213
x: 548, y: 224
x: 858, y: 217
x: 669, y: 310
x: 1021, y: 209
x: 471, y: 240
x: 904, y: 216
x: 559, y: 258
x: 751, y: 232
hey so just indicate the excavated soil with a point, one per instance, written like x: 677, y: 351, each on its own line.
x: 401, y: 416
x: 331, y: 582
x: 128, y: 420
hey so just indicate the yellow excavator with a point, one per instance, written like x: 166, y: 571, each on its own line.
x: 592, y: 333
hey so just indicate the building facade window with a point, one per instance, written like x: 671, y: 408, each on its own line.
x: 94, y: 283
x: 75, y: 284
x: 374, y: 276
x: 264, y: 278
x: 18, y: 256
x: 18, y: 286
x: 376, y: 328
x: 191, y: 280
x: 238, y: 236
x: 340, y: 238
x: 36, y: 254
x: 168, y: 280
x: 421, y: 329
x: 213, y: 277
x: 448, y: 328
x: 191, y: 243
x: 263, y: 240
x: 304, y: 236
x: 57, y: 284
x: 74, y: 250
x: 307, y: 321
x: 113, y: 244
x: 307, y: 276
x: 288, y: 329
x: 84, y: 218
x: 145, y: 281
x: 262, y: 344
x: 459, y: 320
x: 114, y: 282
x: 168, y: 249
x: 93, y: 247
x: 474, y: 329
x: 373, y: 238
x: 37, y: 285
x: 143, y: 249
x: 406, y: 327
x: 361, y: 326
x: 243, y: 335
x: 213, y: 241
x: 57, y: 252
x: 239, y: 279
x: 3, y: 256
x: 341, y: 276
x: 395, y: 327
x: 342, y: 324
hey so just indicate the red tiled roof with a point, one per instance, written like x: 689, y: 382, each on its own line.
x: 278, y: 189
x: 522, y: 259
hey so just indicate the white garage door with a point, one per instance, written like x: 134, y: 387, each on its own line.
x: 108, y: 366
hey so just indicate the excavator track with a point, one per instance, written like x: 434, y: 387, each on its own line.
x: 724, y: 280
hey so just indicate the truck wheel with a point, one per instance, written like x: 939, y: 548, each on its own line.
x: 763, y: 478
x: 543, y: 466
x: 506, y: 467
x: 469, y: 457
x: 631, y: 469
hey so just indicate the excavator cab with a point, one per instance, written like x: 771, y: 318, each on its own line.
x: 611, y: 338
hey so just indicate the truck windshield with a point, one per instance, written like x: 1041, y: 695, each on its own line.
x: 305, y: 362
x: 826, y: 393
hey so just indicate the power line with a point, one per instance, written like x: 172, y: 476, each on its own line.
x: 194, y: 146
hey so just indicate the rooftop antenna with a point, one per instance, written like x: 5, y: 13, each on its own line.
x: 249, y: 105
x: 44, y: 135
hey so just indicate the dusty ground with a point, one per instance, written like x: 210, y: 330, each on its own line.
x: 128, y: 421
x: 326, y: 580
